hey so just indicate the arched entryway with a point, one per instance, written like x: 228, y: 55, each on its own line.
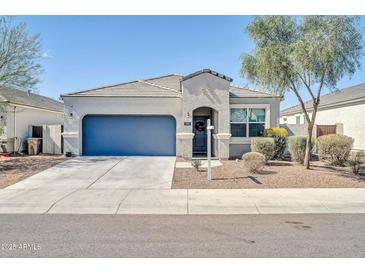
x: 200, y: 118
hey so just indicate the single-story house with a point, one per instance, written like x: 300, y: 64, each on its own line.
x: 19, y: 110
x: 339, y: 112
x: 167, y: 115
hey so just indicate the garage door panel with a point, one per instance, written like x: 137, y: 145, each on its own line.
x: 112, y: 135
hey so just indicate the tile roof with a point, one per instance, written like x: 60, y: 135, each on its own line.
x: 220, y: 75
x: 19, y: 97
x: 345, y: 95
x: 171, y: 81
x: 163, y: 86
x: 235, y: 91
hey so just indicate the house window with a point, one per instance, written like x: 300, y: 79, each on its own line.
x: 256, y: 122
x: 247, y: 122
x: 239, y: 122
x: 297, y: 120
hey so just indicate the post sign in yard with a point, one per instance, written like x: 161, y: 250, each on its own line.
x: 209, y: 149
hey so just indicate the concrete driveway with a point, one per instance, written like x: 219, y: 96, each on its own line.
x: 87, y: 185
x: 105, y: 173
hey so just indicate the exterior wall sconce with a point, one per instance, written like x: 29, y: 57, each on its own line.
x: 70, y: 113
x: 188, y: 114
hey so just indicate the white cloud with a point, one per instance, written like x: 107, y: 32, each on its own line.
x: 47, y: 54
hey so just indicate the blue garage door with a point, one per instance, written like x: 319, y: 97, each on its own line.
x: 128, y: 135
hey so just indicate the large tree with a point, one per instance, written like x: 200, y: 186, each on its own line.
x: 19, y: 55
x: 303, y: 55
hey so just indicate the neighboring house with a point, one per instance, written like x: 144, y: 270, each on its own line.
x: 19, y: 110
x: 339, y: 112
x: 167, y: 115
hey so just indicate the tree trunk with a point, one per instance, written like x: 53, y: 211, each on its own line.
x: 308, y: 147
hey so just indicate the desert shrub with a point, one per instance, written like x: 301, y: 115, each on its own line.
x: 280, y: 135
x: 264, y: 145
x: 334, y: 148
x: 296, y: 146
x: 276, y: 131
x: 196, y: 164
x: 354, y: 161
x: 254, y: 161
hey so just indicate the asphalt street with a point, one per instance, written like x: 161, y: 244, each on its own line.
x: 312, y: 235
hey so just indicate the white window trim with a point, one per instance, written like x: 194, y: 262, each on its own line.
x: 300, y: 119
x: 247, y: 140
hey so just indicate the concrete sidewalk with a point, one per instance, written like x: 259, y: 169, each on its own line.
x: 182, y: 201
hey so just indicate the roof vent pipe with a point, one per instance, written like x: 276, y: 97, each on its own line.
x: 29, y: 92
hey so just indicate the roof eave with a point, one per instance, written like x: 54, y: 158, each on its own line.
x: 321, y: 107
x: 123, y: 96
x: 35, y: 107
x: 260, y: 97
x: 194, y: 74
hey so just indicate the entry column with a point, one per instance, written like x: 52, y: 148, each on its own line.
x: 184, y: 144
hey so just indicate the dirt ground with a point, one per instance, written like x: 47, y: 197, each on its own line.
x: 15, y: 169
x: 277, y: 174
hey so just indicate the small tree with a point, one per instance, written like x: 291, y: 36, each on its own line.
x: 303, y: 55
x: 19, y: 53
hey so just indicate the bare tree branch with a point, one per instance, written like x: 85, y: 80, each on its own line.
x: 294, y: 89
x: 19, y: 55
x: 321, y: 85
x: 306, y: 85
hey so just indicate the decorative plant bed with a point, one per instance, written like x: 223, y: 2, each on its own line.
x: 276, y: 174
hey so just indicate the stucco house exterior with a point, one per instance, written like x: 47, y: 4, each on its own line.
x: 167, y: 115
x: 339, y: 112
x: 19, y: 110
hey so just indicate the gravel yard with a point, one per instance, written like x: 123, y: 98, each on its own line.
x: 277, y: 174
x: 15, y: 169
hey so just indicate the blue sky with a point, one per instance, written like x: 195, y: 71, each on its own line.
x: 87, y: 51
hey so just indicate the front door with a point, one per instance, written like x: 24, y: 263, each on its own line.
x: 200, y: 134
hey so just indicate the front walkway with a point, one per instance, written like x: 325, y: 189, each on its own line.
x: 181, y: 201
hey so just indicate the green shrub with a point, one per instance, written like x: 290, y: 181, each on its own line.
x: 296, y: 146
x: 334, y: 148
x: 254, y: 161
x: 280, y: 135
x: 196, y: 164
x: 276, y: 131
x: 265, y: 146
x: 354, y: 161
